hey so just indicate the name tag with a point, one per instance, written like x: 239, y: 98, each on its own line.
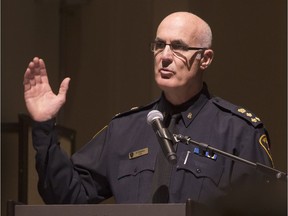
x: 138, y: 153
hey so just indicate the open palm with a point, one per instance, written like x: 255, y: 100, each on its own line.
x: 41, y: 102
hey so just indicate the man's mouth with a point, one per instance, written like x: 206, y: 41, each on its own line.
x: 166, y: 73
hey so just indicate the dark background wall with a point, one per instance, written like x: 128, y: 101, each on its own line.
x: 103, y: 45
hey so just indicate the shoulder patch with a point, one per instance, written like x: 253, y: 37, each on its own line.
x: 238, y: 111
x: 264, y: 142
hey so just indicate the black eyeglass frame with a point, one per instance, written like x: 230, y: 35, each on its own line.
x: 184, y: 48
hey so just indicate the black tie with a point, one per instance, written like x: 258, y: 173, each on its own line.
x: 173, y: 122
x: 163, y: 168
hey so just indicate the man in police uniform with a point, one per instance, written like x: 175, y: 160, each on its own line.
x: 122, y: 159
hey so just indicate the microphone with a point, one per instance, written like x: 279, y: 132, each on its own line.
x: 164, y: 136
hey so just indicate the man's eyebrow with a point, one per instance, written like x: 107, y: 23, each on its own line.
x: 177, y: 41
x: 157, y: 39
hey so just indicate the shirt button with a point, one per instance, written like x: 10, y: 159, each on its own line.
x: 198, y: 170
x: 135, y: 170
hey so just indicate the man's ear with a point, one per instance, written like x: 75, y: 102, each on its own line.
x: 206, y: 58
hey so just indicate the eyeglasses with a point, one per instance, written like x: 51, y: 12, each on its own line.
x: 159, y: 46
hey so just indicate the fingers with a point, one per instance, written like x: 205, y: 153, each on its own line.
x: 64, y: 87
x: 42, y: 68
x: 41, y: 71
x: 26, y: 80
x: 35, y: 73
x: 36, y: 70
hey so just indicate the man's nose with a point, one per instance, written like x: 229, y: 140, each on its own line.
x: 167, y: 55
x: 167, y: 51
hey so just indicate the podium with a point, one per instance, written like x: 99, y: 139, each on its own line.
x: 100, y: 210
x: 256, y: 208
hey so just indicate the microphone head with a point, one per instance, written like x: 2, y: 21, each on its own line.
x: 154, y: 114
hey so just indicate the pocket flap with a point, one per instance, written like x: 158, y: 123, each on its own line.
x: 201, y: 167
x: 134, y: 166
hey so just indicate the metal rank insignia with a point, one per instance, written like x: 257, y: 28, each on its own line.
x: 249, y: 115
x: 241, y: 110
x: 138, y: 153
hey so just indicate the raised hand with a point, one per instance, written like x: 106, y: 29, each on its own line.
x: 41, y: 102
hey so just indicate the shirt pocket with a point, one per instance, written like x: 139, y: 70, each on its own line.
x: 201, y: 166
x: 135, y: 166
x: 134, y: 179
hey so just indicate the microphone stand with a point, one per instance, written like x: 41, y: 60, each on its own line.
x: 269, y: 171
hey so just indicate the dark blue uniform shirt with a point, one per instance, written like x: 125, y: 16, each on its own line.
x: 120, y: 160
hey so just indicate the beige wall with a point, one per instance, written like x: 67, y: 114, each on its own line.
x: 103, y: 46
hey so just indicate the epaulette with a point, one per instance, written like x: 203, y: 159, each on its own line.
x: 135, y: 110
x: 238, y: 111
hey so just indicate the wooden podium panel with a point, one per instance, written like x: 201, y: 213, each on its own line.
x: 101, y: 210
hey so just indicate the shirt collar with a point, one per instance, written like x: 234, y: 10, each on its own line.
x: 189, y: 110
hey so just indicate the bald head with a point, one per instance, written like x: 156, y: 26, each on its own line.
x: 189, y: 24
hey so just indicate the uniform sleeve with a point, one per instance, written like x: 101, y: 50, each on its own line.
x: 260, y: 148
x: 248, y: 138
x: 63, y: 180
x: 253, y: 146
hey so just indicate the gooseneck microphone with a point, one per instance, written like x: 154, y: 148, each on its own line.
x: 165, y: 138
